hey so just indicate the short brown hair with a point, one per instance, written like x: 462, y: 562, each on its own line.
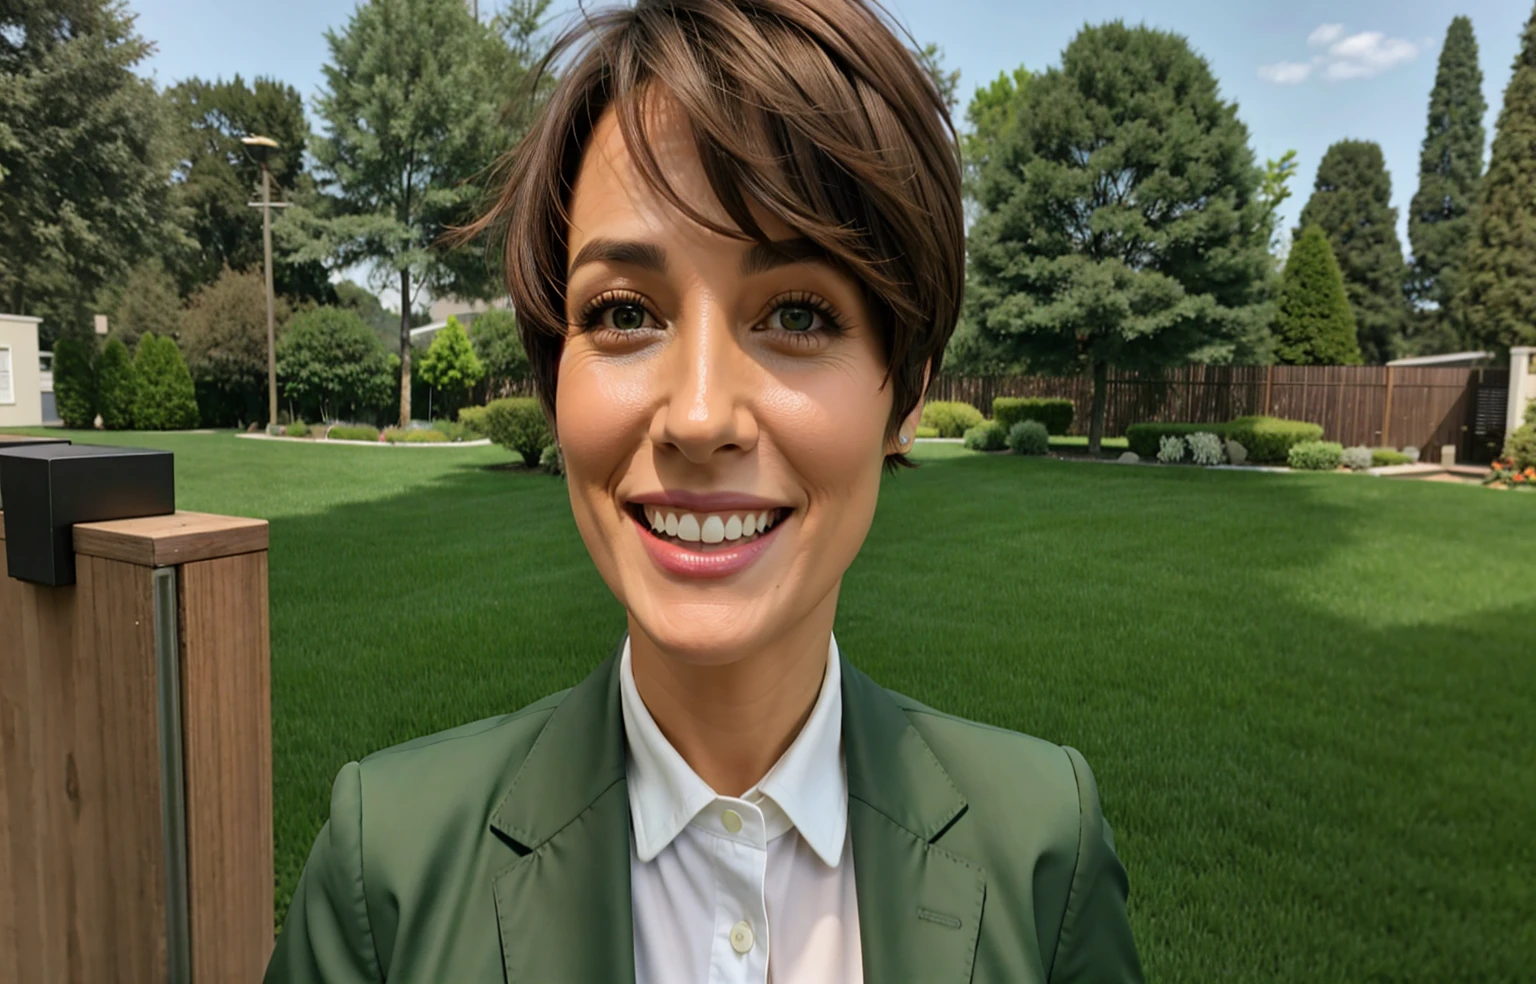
x: 812, y: 109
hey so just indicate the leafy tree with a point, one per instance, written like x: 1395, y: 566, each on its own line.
x: 117, y: 382
x: 451, y: 364
x: 947, y: 81
x: 1450, y: 167
x: 1352, y: 202
x: 216, y: 178
x: 166, y: 398
x: 146, y: 301
x: 1499, y: 299
x: 74, y: 380
x: 362, y: 301
x: 499, y: 347
x: 412, y: 115
x: 224, y: 339
x: 991, y: 112
x: 84, y: 156
x: 1121, y: 224
x: 1275, y: 190
x: 1314, y: 325
x: 332, y: 365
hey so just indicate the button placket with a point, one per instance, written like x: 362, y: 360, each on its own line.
x: 739, y: 954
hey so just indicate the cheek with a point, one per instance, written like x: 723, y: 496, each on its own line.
x: 830, y: 428
x: 599, y: 409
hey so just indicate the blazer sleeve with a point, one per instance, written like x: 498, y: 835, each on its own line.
x: 1095, y: 944
x: 327, y: 938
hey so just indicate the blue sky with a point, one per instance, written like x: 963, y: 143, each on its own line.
x: 1304, y: 73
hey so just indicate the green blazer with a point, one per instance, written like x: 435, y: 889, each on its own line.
x: 500, y: 851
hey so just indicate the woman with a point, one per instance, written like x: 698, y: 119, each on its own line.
x: 735, y: 246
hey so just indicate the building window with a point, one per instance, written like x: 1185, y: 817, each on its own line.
x: 7, y: 388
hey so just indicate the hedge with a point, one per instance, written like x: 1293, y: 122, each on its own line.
x: 952, y: 417
x: 1055, y: 414
x: 1385, y: 457
x: 1270, y: 439
x: 361, y: 432
x: 1145, y: 439
x: 1315, y: 455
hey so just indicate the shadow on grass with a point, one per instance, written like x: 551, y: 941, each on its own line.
x: 1309, y: 716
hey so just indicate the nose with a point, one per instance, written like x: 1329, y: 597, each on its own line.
x: 704, y: 387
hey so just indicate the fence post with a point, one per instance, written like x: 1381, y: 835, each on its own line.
x: 1386, y: 413
x: 1269, y: 383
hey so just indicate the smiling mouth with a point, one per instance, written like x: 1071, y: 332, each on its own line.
x: 706, y: 532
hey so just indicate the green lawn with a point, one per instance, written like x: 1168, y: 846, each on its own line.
x: 1310, y: 700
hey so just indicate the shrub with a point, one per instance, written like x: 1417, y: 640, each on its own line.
x: 1236, y: 453
x: 988, y: 435
x: 1386, y: 457
x: 453, y: 430
x: 1505, y: 474
x: 1270, y: 439
x: 332, y: 364
x: 297, y: 429
x: 1315, y: 455
x: 1170, y: 449
x: 518, y: 424
x: 1055, y: 414
x: 424, y: 435
x: 951, y: 417
x: 1205, y: 448
x: 360, y: 432
x: 74, y: 381
x: 1530, y: 413
x: 1356, y: 458
x: 472, y: 419
x: 451, y: 364
x: 552, y: 461
x: 117, y: 385
x: 1146, y: 439
x: 1028, y: 437
x: 165, y: 398
x: 1521, y: 447
x: 923, y: 431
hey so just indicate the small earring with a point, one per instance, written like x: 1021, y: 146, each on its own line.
x: 904, y: 439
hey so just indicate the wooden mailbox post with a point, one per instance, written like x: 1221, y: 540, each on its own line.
x: 135, y: 758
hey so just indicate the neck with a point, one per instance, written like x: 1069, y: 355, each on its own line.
x: 732, y: 722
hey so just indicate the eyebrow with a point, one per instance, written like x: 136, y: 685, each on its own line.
x: 761, y: 258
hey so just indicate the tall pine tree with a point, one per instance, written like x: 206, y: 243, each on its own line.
x: 1450, y: 166
x: 1499, y: 301
x: 1313, y: 323
x: 1120, y: 223
x: 1352, y: 202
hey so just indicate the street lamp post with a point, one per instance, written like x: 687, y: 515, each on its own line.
x: 261, y: 148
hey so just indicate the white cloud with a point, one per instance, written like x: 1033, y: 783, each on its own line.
x: 1357, y: 56
x: 1286, y: 73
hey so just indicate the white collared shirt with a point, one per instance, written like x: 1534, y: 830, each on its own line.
x: 746, y: 890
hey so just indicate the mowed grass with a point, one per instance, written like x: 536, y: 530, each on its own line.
x: 1310, y: 701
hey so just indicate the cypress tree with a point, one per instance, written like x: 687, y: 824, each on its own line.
x: 1313, y: 322
x: 74, y: 380
x: 166, y: 399
x: 1450, y: 166
x: 1499, y: 302
x: 1352, y: 203
x: 117, y: 385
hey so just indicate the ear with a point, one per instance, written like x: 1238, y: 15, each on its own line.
x: 910, y: 421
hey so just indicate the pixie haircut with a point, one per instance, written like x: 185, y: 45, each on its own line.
x: 812, y: 109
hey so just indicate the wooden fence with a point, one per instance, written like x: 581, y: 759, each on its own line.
x: 1377, y: 406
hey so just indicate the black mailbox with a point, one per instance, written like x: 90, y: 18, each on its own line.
x: 49, y: 488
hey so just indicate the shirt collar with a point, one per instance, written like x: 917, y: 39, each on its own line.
x: 809, y: 783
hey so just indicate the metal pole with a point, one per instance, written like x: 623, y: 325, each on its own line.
x: 266, y: 240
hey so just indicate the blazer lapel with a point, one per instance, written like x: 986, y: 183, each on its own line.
x: 919, y: 906
x: 564, y: 905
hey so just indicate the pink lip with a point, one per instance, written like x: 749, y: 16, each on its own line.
x: 700, y: 502
x: 679, y: 560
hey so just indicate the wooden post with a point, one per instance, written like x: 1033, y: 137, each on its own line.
x: 1386, y: 413
x: 1269, y: 383
x: 135, y: 758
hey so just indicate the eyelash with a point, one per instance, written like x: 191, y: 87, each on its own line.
x: 832, y: 326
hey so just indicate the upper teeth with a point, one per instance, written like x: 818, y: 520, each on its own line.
x: 708, y: 527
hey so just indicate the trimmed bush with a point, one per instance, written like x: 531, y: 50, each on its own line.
x: 296, y: 429
x: 424, y: 435
x: 117, y: 383
x: 552, y: 461
x: 1521, y: 446
x: 1205, y: 448
x: 1028, y: 437
x: 923, y: 431
x: 1315, y: 455
x: 1055, y: 414
x: 1170, y: 449
x: 1386, y: 457
x: 74, y: 381
x: 360, y: 432
x: 988, y: 435
x: 453, y: 430
x: 518, y: 424
x: 950, y: 417
x: 1146, y: 439
x: 472, y: 419
x: 1356, y: 458
x: 1270, y: 439
x: 165, y: 398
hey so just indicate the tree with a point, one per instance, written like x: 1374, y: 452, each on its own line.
x: 166, y: 398
x: 146, y: 301
x: 1275, y: 190
x: 947, y: 81
x: 1352, y: 202
x: 412, y: 115
x: 84, y: 156
x: 500, y: 347
x: 74, y: 380
x: 363, y: 302
x: 117, y: 384
x: 1499, y: 298
x: 331, y: 364
x: 991, y: 112
x: 216, y: 178
x: 1450, y: 167
x: 1120, y: 220
x: 451, y: 364
x: 1314, y: 325
x: 224, y: 339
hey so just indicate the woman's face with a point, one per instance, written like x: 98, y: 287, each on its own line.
x: 709, y: 388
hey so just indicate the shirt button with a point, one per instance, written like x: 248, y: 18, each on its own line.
x: 741, y: 937
x: 732, y: 821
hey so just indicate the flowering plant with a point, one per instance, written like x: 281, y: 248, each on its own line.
x: 1505, y: 474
